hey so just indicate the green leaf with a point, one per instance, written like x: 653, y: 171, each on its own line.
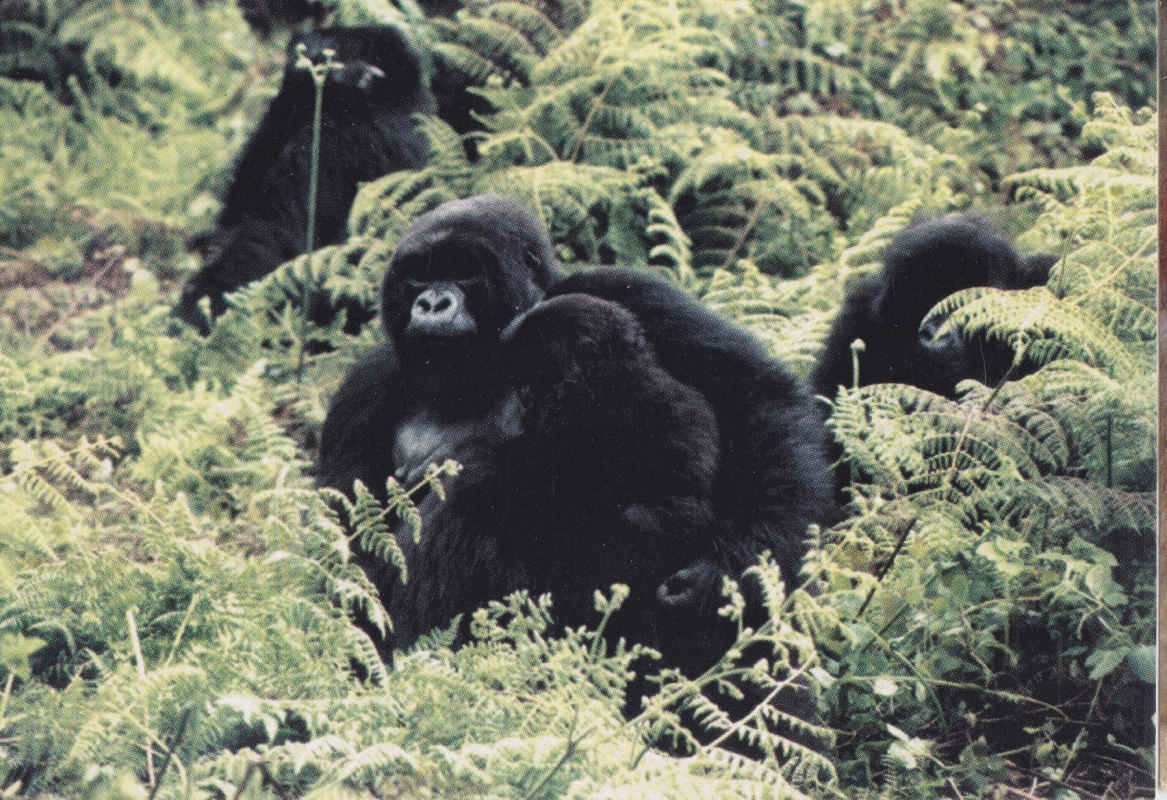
x: 901, y: 755
x: 14, y: 652
x: 1142, y: 663
x: 1103, y: 662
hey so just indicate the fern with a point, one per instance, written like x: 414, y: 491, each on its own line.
x: 503, y: 40
x: 175, y: 597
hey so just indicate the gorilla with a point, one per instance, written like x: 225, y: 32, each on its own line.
x: 367, y: 130
x: 264, y: 16
x: 618, y: 430
x: 771, y: 480
x: 614, y: 467
x: 436, y: 390
x: 925, y: 263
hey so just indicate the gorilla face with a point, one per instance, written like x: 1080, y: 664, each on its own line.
x: 458, y: 277
x: 377, y: 66
x: 442, y: 300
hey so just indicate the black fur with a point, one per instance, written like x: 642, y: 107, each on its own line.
x: 642, y: 440
x: 367, y: 130
x: 615, y: 465
x: 924, y: 264
x: 437, y: 390
x: 772, y: 481
x: 264, y: 16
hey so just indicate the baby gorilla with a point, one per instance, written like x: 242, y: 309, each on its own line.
x: 620, y: 459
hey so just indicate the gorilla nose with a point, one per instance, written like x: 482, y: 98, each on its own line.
x: 434, y: 303
x: 441, y: 311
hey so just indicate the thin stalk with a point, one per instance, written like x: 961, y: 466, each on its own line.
x: 319, y: 73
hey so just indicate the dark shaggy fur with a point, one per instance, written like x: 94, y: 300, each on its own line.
x: 367, y: 130
x: 615, y: 465
x: 924, y: 264
x: 628, y: 435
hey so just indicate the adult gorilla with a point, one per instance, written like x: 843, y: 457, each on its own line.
x: 442, y: 388
x: 437, y: 390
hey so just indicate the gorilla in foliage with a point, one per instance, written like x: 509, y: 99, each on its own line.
x: 617, y: 431
x: 436, y: 390
x: 264, y: 16
x: 615, y: 464
x: 367, y: 130
x: 925, y: 263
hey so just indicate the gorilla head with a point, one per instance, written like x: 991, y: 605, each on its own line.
x: 925, y: 263
x: 379, y: 69
x: 577, y: 347
x: 458, y: 277
x: 461, y: 274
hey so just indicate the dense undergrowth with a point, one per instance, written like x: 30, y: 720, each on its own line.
x: 173, y: 593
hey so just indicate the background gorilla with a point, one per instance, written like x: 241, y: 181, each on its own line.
x: 367, y: 130
x: 925, y: 263
x: 614, y: 468
x: 444, y: 387
x: 263, y: 16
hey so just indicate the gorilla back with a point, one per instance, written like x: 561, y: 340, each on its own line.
x: 614, y: 465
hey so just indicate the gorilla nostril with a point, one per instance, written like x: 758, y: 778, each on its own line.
x: 423, y: 304
x: 442, y: 305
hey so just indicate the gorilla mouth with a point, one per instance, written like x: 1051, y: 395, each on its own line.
x: 448, y: 352
x: 440, y: 335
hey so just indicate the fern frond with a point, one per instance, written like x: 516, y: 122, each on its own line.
x: 1038, y: 322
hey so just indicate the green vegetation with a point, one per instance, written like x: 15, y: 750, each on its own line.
x: 173, y: 591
